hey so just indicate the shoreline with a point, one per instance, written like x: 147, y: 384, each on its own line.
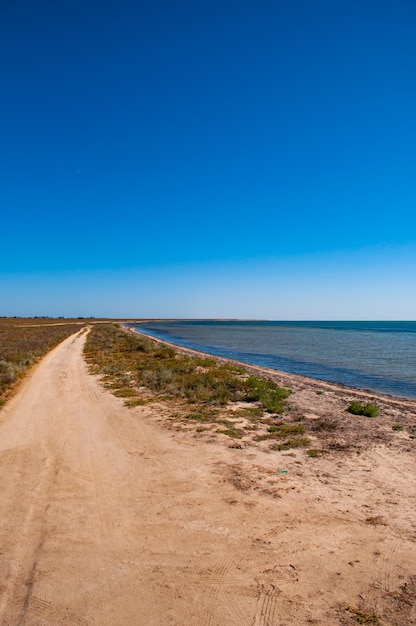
x: 310, y: 489
x: 294, y: 381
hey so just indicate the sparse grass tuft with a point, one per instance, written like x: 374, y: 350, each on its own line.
x: 374, y: 520
x: 230, y: 432
x: 325, y: 425
x: 297, y: 442
x: 200, y: 416
x: 125, y: 393
x: 135, y: 402
x: 285, y: 430
x: 315, y: 453
x: 276, y: 431
x: 249, y: 412
x: 361, y: 617
x: 397, y: 427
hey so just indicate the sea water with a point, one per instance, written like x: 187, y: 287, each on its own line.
x: 379, y: 356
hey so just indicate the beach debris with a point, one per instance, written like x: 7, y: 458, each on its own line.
x: 282, y: 471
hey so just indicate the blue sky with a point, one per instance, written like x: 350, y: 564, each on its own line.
x: 221, y: 159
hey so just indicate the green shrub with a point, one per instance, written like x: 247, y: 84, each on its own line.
x: 368, y: 410
x: 267, y: 392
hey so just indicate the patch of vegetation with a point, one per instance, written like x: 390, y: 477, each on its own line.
x: 368, y: 410
x: 299, y: 418
x: 132, y: 361
x: 361, y: 617
x: 338, y: 446
x: 201, y: 416
x: 135, y: 402
x: 412, y: 432
x: 231, y: 432
x: 125, y: 393
x: 204, y: 362
x: 235, y: 369
x: 249, y: 412
x: 374, y: 520
x: 231, y: 429
x: 276, y: 431
x: 267, y: 392
x: 24, y: 341
x: 397, y: 427
x: 316, y: 453
x: 325, y: 425
x: 296, y: 442
x: 285, y: 430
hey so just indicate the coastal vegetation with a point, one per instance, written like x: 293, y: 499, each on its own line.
x: 215, y: 397
x: 24, y: 341
x: 368, y: 410
x: 132, y: 364
x: 197, y: 390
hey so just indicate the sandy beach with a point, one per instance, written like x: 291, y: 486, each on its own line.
x: 117, y: 516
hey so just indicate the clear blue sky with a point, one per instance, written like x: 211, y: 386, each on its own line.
x: 203, y: 159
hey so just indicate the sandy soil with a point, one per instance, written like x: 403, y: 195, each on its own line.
x: 108, y: 518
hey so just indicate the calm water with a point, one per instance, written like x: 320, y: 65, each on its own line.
x: 380, y: 356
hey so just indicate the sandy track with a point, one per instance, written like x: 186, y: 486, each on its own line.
x: 108, y: 519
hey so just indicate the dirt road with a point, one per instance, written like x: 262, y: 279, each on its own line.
x: 107, y: 519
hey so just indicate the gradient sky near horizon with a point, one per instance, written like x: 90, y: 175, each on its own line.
x: 208, y: 159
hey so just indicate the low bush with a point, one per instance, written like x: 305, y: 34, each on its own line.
x: 267, y: 392
x: 368, y: 410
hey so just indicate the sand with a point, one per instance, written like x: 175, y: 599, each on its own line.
x: 112, y: 516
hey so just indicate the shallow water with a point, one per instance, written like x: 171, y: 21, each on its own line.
x: 380, y: 356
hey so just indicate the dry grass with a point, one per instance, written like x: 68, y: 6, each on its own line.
x: 24, y: 341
